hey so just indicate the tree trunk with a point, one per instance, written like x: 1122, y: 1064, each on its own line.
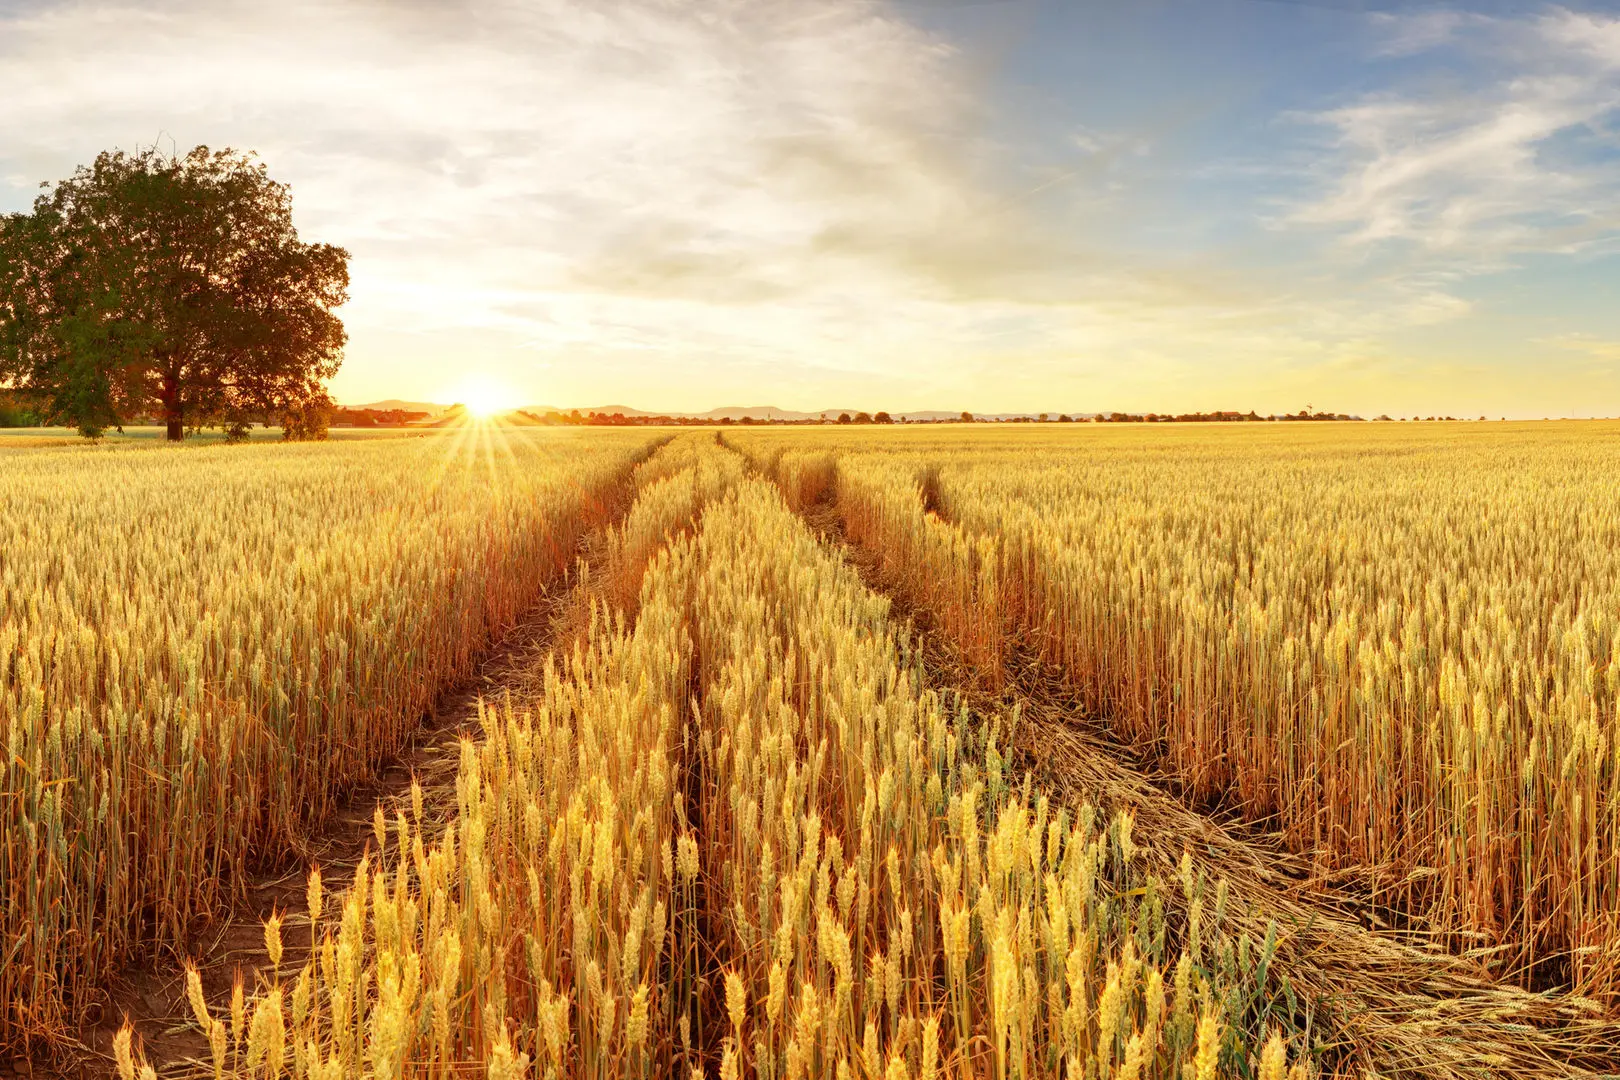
x: 173, y: 419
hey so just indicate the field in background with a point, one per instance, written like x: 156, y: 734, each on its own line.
x: 743, y: 821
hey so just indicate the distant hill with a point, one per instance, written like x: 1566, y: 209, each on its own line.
x: 429, y: 407
x: 448, y: 416
x: 605, y: 410
x: 756, y: 412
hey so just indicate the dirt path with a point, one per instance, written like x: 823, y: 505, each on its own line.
x: 152, y: 995
x: 1390, y: 1004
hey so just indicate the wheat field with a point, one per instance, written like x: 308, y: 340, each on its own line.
x: 1397, y: 646
x: 772, y: 806
x: 197, y: 651
x: 730, y: 834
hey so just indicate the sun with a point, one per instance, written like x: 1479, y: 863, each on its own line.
x: 485, y: 397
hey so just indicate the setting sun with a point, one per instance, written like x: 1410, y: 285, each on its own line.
x: 485, y: 398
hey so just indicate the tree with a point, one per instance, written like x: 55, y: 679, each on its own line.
x: 14, y: 413
x: 148, y: 283
x: 843, y: 418
x: 882, y: 418
x: 863, y: 418
x: 307, y: 422
x: 967, y: 417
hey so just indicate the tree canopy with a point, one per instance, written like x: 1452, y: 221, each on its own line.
x: 176, y: 286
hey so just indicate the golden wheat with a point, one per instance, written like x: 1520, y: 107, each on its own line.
x: 1400, y: 644
x: 200, y: 648
x: 731, y: 834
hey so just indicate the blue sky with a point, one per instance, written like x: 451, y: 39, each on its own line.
x: 1175, y: 204
x: 1227, y: 138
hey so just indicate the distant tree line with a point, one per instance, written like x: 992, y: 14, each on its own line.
x: 371, y: 418
x: 15, y: 412
x: 1217, y: 417
x: 575, y: 418
x: 619, y: 419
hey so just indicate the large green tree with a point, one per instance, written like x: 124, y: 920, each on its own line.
x: 176, y: 286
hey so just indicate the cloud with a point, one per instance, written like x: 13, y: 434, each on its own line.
x: 803, y: 181
x: 1416, y: 32
x: 1605, y: 352
x: 1510, y: 150
x: 685, y: 202
x: 641, y: 148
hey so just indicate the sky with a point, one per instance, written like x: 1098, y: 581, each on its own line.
x: 1064, y: 205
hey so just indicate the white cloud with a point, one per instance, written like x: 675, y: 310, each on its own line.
x: 1604, y: 351
x: 1512, y: 155
x: 484, y: 161
x: 679, y: 203
x: 794, y: 183
x: 1411, y: 33
x: 1090, y: 140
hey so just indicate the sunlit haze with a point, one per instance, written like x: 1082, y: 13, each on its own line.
x: 1191, y: 205
x: 485, y: 396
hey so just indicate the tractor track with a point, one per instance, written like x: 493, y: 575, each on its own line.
x: 151, y: 994
x: 1390, y: 1003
